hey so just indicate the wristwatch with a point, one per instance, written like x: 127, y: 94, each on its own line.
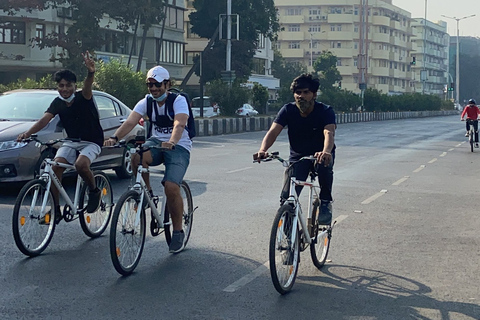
x: 114, y: 138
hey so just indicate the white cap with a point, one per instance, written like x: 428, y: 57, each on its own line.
x: 158, y: 73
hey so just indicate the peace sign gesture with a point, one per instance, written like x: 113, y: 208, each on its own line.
x: 89, y: 62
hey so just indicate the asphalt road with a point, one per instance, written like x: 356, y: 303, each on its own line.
x: 406, y: 245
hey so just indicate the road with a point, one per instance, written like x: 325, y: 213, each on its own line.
x: 406, y: 245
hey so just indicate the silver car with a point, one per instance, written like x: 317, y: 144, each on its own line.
x: 19, y: 109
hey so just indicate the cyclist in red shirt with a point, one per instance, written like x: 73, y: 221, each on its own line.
x: 472, y: 112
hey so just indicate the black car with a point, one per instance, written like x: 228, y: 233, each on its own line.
x: 19, y: 109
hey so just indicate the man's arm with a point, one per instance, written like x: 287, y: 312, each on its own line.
x: 125, y: 128
x: 179, y: 124
x: 268, y: 140
x: 37, y: 126
x: 87, y: 84
x: 329, y: 141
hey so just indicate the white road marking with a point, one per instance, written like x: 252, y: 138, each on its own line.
x: 433, y: 160
x: 399, y: 181
x: 238, y: 170
x: 419, y: 168
x: 261, y: 269
x: 374, y: 197
x: 443, y: 154
x: 451, y: 149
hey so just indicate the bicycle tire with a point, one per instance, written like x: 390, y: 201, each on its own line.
x: 187, y: 220
x: 127, y: 239
x: 470, y: 138
x: 31, y: 237
x: 283, y: 256
x: 321, y: 236
x: 94, y: 224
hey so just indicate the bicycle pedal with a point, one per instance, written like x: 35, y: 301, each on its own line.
x: 155, y: 229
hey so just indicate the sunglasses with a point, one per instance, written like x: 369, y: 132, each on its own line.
x: 156, y: 84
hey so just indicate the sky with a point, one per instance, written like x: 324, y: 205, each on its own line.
x: 449, y: 8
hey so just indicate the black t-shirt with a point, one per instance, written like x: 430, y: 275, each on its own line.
x: 305, y: 134
x: 80, y: 120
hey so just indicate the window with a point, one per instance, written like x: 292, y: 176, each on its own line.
x: 39, y: 31
x: 12, y: 32
x: 339, y: 62
x: 293, y: 12
x: 190, y: 57
x: 314, y: 28
x: 171, y: 52
x: 174, y: 18
x: 190, y: 33
x: 258, y: 66
x: 294, y: 45
x: 105, y: 107
x: 115, y: 42
x: 294, y: 28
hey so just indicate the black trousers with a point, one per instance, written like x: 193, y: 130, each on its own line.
x: 475, y: 127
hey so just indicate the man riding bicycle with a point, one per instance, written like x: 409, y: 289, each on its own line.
x: 311, y: 130
x: 472, y: 112
x: 166, y: 133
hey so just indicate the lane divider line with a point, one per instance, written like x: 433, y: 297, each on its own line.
x: 419, y: 168
x: 399, y: 181
x: 433, y: 160
x: 374, y: 197
x: 443, y: 154
x: 238, y: 170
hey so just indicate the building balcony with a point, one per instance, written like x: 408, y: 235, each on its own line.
x: 292, y: 19
x: 293, y: 53
x: 381, y: 21
x: 291, y: 36
x: 380, y: 54
x: 380, y: 72
x: 342, y: 18
x: 380, y: 37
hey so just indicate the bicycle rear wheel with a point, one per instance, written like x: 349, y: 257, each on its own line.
x: 320, y: 239
x: 127, y: 233
x: 94, y: 224
x: 30, y: 236
x: 470, y: 139
x: 284, y: 252
x: 187, y: 220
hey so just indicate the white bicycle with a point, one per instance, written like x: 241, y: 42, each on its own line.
x: 127, y: 230
x: 292, y: 233
x: 34, y: 217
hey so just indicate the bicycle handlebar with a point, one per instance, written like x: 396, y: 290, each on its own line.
x: 275, y: 155
x: 49, y: 143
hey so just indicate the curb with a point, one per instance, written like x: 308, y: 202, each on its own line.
x: 213, y: 127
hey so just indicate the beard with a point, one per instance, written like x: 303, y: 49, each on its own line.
x: 304, y: 105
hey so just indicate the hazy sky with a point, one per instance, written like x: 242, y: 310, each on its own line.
x: 450, y: 8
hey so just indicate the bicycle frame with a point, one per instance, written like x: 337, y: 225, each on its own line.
x: 294, y: 199
x: 48, y: 175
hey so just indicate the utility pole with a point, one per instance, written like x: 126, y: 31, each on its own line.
x: 457, y: 64
x: 423, y: 74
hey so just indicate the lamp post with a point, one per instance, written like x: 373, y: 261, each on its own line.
x: 311, y: 50
x: 457, y: 65
x: 423, y: 75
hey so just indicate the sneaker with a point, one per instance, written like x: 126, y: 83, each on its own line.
x: 466, y: 134
x: 94, y: 198
x: 476, y: 145
x: 177, y: 244
x: 325, y: 216
x: 45, y: 220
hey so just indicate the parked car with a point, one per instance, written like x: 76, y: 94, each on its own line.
x: 209, y: 109
x: 246, y: 110
x: 19, y: 109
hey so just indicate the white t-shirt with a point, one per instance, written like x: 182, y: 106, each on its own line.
x: 163, y: 134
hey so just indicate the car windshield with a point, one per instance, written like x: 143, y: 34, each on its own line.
x: 24, y: 105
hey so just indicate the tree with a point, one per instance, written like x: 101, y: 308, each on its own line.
x: 285, y: 71
x: 257, y: 17
x: 228, y: 98
x: 260, y: 97
x: 326, y: 68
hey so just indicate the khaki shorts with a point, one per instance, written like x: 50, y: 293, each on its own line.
x: 70, y: 151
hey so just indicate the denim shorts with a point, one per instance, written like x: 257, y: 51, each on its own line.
x: 70, y: 150
x: 176, y: 161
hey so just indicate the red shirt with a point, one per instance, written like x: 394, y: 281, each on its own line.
x: 472, y: 112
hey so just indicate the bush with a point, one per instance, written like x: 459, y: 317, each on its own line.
x: 229, y: 99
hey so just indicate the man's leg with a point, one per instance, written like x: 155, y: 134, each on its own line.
x: 88, y: 153
x: 175, y: 204
x: 475, y: 127
x: 325, y: 180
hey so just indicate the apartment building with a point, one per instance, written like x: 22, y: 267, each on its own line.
x: 430, y: 44
x: 20, y: 59
x: 372, y: 40
x: 262, y: 59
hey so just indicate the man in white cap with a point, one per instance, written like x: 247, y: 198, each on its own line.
x: 168, y: 133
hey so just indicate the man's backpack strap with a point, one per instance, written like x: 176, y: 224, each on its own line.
x: 149, y: 115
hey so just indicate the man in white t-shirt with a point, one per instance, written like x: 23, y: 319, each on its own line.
x: 167, y: 133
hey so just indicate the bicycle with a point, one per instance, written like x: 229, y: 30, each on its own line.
x: 33, y: 223
x: 291, y: 233
x: 127, y: 230
x: 471, y: 134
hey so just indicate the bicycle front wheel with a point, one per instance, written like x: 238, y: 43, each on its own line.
x: 320, y: 239
x: 127, y: 233
x: 33, y: 228
x: 284, y: 253
x: 94, y: 224
x: 187, y: 219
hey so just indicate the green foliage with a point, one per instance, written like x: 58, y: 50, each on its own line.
x: 326, y: 68
x: 260, y: 97
x: 285, y: 71
x: 119, y: 79
x: 229, y: 99
x: 44, y: 83
x: 257, y: 17
x: 340, y: 100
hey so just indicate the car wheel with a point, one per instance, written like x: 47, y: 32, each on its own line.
x: 125, y: 170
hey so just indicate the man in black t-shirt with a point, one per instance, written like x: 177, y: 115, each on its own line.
x: 79, y: 117
x: 311, y: 130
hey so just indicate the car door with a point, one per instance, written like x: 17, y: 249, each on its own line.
x: 110, y: 119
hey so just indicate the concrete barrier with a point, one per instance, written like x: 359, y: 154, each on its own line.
x: 217, y: 126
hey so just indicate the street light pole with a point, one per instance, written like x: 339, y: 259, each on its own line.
x: 311, y: 50
x: 457, y: 64
x: 424, y: 76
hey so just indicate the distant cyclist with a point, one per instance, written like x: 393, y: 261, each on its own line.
x: 472, y: 112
